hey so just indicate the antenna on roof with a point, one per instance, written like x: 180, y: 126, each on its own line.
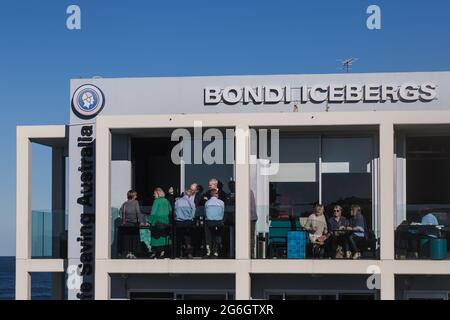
x: 346, y: 63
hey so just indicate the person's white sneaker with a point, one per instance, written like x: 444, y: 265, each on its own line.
x: 357, y: 255
x: 348, y: 254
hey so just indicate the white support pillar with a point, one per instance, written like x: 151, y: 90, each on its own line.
x: 242, y: 280
x: 387, y: 289
x: 387, y: 191
x: 102, y: 281
x: 243, y: 285
x: 23, y: 195
x: 23, y: 280
x: 102, y: 191
x: 242, y: 193
x: 102, y: 210
x: 23, y: 213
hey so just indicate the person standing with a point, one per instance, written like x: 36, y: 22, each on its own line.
x: 214, y: 184
x: 160, y: 223
x: 195, y: 196
x: 214, y: 210
x: 130, y: 216
x: 184, y: 220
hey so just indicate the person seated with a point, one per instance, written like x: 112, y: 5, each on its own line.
x: 358, y: 227
x: 429, y: 219
x: 316, y: 225
x: 214, y: 212
x: 184, y: 220
x: 159, y: 220
x: 337, y: 225
x: 406, y: 241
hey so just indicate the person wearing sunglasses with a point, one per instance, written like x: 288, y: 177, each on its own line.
x: 338, y: 227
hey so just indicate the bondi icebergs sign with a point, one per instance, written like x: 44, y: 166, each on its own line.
x: 333, y: 93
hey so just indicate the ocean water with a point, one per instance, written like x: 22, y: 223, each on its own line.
x: 40, y: 282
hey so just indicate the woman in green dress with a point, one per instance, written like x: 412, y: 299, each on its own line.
x: 160, y: 223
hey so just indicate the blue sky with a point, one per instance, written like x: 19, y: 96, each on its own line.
x: 38, y: 54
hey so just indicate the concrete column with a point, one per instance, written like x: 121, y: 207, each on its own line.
x: 387, y: 191
x: 102, y: 210
x: 387, y: 289
x: 23, y: 280
x: 243, y: 281
x: 242, y: 193
x: 102, y: 281
x: 23, y: 213
x: 103, y: 192
x: 23, y: 195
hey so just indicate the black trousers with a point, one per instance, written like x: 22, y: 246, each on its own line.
x: 338, y: 240
x: 213, y: 234
x: 184, y: 233
x: 128, y: 236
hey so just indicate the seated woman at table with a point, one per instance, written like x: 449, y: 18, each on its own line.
x: 159, y: 222
x: 339, y: 234
x: 358, y: 227
x: 318, y: 231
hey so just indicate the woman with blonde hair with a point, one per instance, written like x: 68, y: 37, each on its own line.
x: 159, y: 222
x: 318, y: 230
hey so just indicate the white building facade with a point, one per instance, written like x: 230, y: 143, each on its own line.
x: 381, y: 141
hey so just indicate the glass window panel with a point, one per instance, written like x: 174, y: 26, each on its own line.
x: 292, y: 198
x: 352, y: 154
x: 346, y: 174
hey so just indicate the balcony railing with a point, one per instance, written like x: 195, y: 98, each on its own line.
x: 137, y: 241
x: 49, y: 234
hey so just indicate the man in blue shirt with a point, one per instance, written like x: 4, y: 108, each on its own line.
x: 214, y: 211
x: 184, y: 220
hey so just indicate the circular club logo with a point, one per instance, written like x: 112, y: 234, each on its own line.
x: 87, y: 101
